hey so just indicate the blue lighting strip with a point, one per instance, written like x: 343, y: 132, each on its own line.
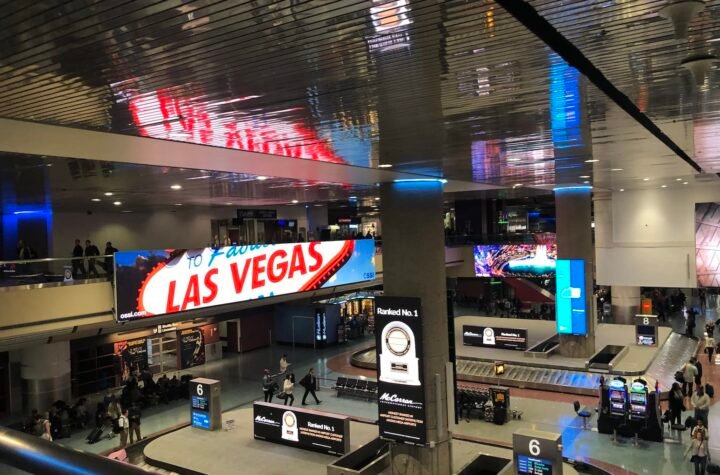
x: 564, y: 103
x: 421, y: 180
x: 572, y: 188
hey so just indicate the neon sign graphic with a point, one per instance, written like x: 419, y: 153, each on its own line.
x: 161, y: 115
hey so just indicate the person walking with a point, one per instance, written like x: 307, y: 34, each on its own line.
x: 110, y: 250
x: 284, y: 364
x: 288, y: 386
x: 309, y: 382
x: 698, y: 452
x: 676, y: 400
x: 710, y: 345
x: 701, y: 402
x: 268, y: 386
x: 689, y: 372
x: 78, y: 268
x: 134, y: 415
x: 91, y: 250
x: 124, y: 426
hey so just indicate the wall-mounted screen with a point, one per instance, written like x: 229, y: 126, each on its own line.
x: 150, y: 283
x: 495, y: 337
x: 570, y: 297
x: 527, y: 465
x: 707, y: 244
x: 515, y: 260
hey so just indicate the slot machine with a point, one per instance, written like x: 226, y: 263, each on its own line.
x: 638, y: 401
x: 617, y: 395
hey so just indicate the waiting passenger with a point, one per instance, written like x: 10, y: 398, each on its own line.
x: 710, y: 346
x: 701, y: 402
x: 284, y: 364
x: 268, y: 386
x: 689, y: 371
x: 91, y: 251
x: 676, y: 400
x: 78, y: 267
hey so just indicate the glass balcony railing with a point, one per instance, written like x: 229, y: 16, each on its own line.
x: 59, y: 270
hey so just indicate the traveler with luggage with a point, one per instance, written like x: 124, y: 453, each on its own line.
x: 710, y: 347
x: 676, y: 400
x: 269, y: 386
x: 134, y: 415
x: 689, y: 371
x: 701, y: 402
x: 123, y: 424
x: 698, y: 452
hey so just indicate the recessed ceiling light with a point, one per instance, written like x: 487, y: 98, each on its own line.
x: 108, y: 193
x: 318, y: 204
x: 126, y: 211
x: 591, y: 161
x: 352, y: 197
x: 584, y: 176
x: 517, y: 185
x: 678, y: 179
x: 294, y: 202
x: 646, y: 179
x: 178, y: 204
x: 622, y: 189
x: 117, y: 203
x: 515, y: 159
x: 616, y: 169
x: 377, y: 198
x: 685, y: 183
x: 663, y: 186
x: 176, y: 187
x: 229, y: 204
x: 384, y: 165
x: 586, y: 182
x: 95, y: 199
x: 262, y: 178
x: 201, y: 177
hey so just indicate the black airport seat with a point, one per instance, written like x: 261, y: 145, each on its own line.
x: 361, y: 385
x: 351, y: 383
x: 340, y: 383
x: 372, y: 386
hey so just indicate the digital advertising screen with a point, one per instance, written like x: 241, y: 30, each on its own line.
x: 528, y: 465
x: 151, y: 283
x: 570, y: 306
x: 301, y: 428
x: 645, y: 335
x: 515, y: 260
x: 707, y: 244
x: 200, y: 419
x: 401, y: 398
x: 129, y: 356
x: 495, y: 337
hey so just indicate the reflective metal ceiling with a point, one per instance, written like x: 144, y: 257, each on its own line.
x: 456, y: 88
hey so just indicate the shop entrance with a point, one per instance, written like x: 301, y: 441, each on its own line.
x: 162, y: 353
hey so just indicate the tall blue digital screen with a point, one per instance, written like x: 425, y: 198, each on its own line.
x: 570, y: 297
x: 201, y: 420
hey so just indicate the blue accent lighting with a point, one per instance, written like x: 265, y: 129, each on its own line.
x: 570, y: 297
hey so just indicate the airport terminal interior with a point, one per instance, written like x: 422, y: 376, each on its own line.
x: 398, y: 237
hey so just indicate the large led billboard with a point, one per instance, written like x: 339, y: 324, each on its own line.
x: 515, y: 260
x: 150, y: 283
x: 707, y: 244
x: 570, y: 297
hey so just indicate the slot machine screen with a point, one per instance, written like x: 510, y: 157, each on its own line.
x: 617, y: 401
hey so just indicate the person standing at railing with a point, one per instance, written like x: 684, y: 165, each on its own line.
x: 78, y: 267
x: 110, y: 250
x: 91, y: 250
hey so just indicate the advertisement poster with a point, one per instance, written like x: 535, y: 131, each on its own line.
x: 707, y: 244
x: 495, y: 337
x: 130, y: 355
x: 304, y: 429
x: 570, y: 307
x: 149, y: 283
x: 401, y: 398
x: 515, y: 260
x: 192, y: 348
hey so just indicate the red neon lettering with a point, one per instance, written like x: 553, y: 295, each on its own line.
x: 192, y: 294
x: 281, y: 267
x: 258, y: 269
x: 170, y: 306
x: 239, y: 280
x: 210, y: 285
x: 297, y: 264
x: 314, y: 254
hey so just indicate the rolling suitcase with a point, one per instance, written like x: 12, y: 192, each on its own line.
x: 94, y: 435
x: 712, y: 468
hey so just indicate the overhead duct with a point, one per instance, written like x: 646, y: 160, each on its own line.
x: 681, y: 14
x: 699, y: 66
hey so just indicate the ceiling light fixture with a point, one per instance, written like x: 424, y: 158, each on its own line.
x: 663, y: 186
x: 685, y: 183
x: 176, y: 187
x: 622, y: 189
x: 616, y: 169
x: 584, y: 176
x: 377, y: 198
x: 108, y: 193
x: 117, y: 203
x: 681, y: 14
x: 678, y: 179
x: 384, y: 165
x: 591, y: 161
x: 95, y: 199
x: 262, y: 178
x: 178, y: 204
x: 699, y: 66
x: 646, y: 179
x: 294, y: 202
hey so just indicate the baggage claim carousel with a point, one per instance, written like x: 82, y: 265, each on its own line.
x: 537, y: 368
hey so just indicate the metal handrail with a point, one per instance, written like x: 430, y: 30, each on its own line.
x: 35, y: 455
x: 52, y: 259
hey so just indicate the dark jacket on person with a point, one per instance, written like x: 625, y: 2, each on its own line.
x: 308, y: 381
x: 78, y: 251
x: 92, y: 250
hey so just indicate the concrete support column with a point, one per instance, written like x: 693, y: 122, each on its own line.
x: 45, y: 373
x: 574, y: 241
x: 625, y: 303
x: 414, y: 266
x: 317, y: 218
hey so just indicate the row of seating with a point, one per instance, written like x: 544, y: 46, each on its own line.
x: 356, y: 387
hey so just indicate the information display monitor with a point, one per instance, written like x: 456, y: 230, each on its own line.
x: 528, y: 465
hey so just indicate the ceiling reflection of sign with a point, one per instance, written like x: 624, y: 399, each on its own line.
x: 164, y: 116
x: 390, y: 20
